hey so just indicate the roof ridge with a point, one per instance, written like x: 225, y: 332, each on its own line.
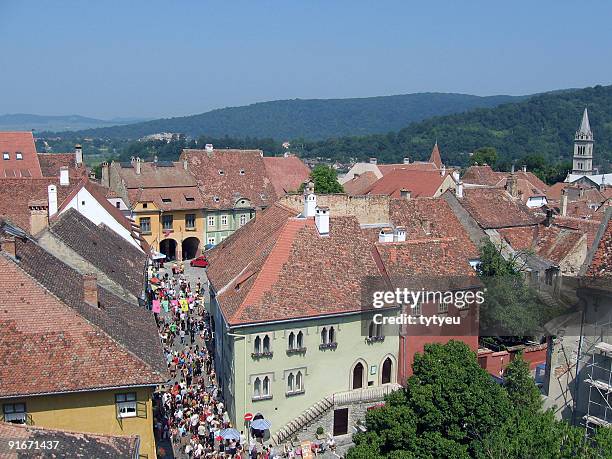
x: 276, y: 258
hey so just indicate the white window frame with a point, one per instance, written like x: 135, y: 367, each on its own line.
x: 211, y: 240
x: 18, y: 156
x: 443, y: 308
x: 211, y: 221
x: 126, y: 405
x: 263, y: 394
x: 224, y: 220
x: 12, y: 414
x: 242, y: 220
x: 6, y: 156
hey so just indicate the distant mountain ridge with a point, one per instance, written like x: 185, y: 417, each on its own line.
x: 312, y: 119
x: 27, y: 122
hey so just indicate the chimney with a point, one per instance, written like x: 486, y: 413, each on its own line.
x: 373, y: 160
x: 563, y: 204
x: 185, y: 164
x: 512, y: 185
x: 155, y: 158
x: 385, y: 235
x: 524, y: 168
x: 406, y: 160
x: 399, y: 235
x: 138, y: 161
x: 443, y: 170
x: 105, y: 175
x: 64, y: 176
x: 90, y: 289
x: 322, y: 220
x: 38, y: 216
x: 512, y: 169
x: 456, y: 176
x: 310, y: 201
x: 78, y: 154
x: 405, y: 194
x: 8, y: 246
x: 549, y: 218
x: 52, y: 197
x: 459, y: 189
x: 209, y: 148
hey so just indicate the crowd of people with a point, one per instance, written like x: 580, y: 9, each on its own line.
x: 190, y: 412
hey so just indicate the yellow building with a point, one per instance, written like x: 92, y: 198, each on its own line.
x: 165, y: 202
x: 75, y: 356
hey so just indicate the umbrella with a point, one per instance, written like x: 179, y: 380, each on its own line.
x: 154, y: 280
x: 157, y: 256
x: 230, y: 434
x: 261, y: 424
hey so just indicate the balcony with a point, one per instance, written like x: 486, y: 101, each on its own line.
x: 262, y: 355
x: 296, y: 350
x: 374, y: 339
x: 324, y: 346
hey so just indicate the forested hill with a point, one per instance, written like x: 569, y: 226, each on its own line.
x: 311, y: 119
x: 541, y: 125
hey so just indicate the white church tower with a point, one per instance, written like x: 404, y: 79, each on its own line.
x: 583, y: 148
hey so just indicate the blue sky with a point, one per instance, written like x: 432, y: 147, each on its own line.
x: 153, y: 58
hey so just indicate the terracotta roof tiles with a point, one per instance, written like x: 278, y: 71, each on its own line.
x: 22, y: 143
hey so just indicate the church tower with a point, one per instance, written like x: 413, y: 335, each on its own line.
x: 583, y: 148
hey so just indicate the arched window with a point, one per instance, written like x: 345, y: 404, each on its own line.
x: 300, y: 340
x: 298, y: 381
x: 324, y: 336
x: 291, y: 340
x: 358, y: 376
x: 387, y: 368
x: 266, y: 386
x: 266, y: 344
x: 332, y: 335
x: 257, y: 346
x: 290, y: 382
x: 257, y: 388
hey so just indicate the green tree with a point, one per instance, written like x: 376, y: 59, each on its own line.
x: 484, y: 155
x: 520, y: 386
x: 325, y: 180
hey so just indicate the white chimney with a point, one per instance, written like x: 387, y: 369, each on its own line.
x: 310, y: 201
x: 405, y: 194
x: 322, y: 220
x: 443, y: 170
x: 373, y: 160
x: 185, y: 164
x: 52, y: 198
x: 385, y: 235
x: 563, y: 204
x: 456, y: 176
x: 524, y: 168
x: 137, y: 166
x: 209, y: 147
x: 399, y: 235
x: 406, y: 160
x: 459, y: 190
x: 64, y: 176
x: 78, y: 154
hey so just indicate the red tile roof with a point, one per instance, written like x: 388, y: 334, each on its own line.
x: 164, y: 174
x: 419, y: 166
x: 50, y: 164
x: 17, y: 194
x: 482, y: 175
x: 69, y: 443
x: 588, y: 227
x: 19, y: 142
x: 264, y: 272
x: 495, y: 208
x: 359, y: 184
x: 226, y: 176
x: 601, y: 263
x: 176, y: 198
x: 286, y: 173
x: 420, y: 183
x: 77, y: 346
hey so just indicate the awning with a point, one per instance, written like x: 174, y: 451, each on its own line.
x: 157, y: 255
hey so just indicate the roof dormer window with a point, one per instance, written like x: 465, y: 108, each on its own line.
x: 216, y: 199
x: 166, y: 200
x: 221, y: 172
x: 241, y: 171
x: 6, y: 155
x: 18, y: 155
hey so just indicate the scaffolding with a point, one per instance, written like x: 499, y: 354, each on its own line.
x: 598, y: 377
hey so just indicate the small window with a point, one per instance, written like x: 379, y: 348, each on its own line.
x: 257, y: 345
x: 443, y: 308
x: 221, y: 172
x: 211, y: 220
x: 216, y: 199
x: 257, y: 388
x: 266, y: 386
x: 144, y: 205
x: 211, y: 240
x: 166, y: 200
x: 189, y: 198
x: 300, y: 340
x: 118, y: 205
x: 167, y: 221
x: 224, y: 220
x: 241, y: 171
x: 190, y: 220
x: 14, y: 413
x: 266, y: 344
x: 324, y: 336
x: 18, y: 155
x: 417, y: 309
x: 126, y: 405
x: 6, y: 155
x: 243, y: 219
x: 145, y: 225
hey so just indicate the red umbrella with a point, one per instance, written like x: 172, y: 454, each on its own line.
x: 154, y: 280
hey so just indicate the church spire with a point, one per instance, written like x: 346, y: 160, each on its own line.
x: 435, y: 157
x: 585, y: 126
